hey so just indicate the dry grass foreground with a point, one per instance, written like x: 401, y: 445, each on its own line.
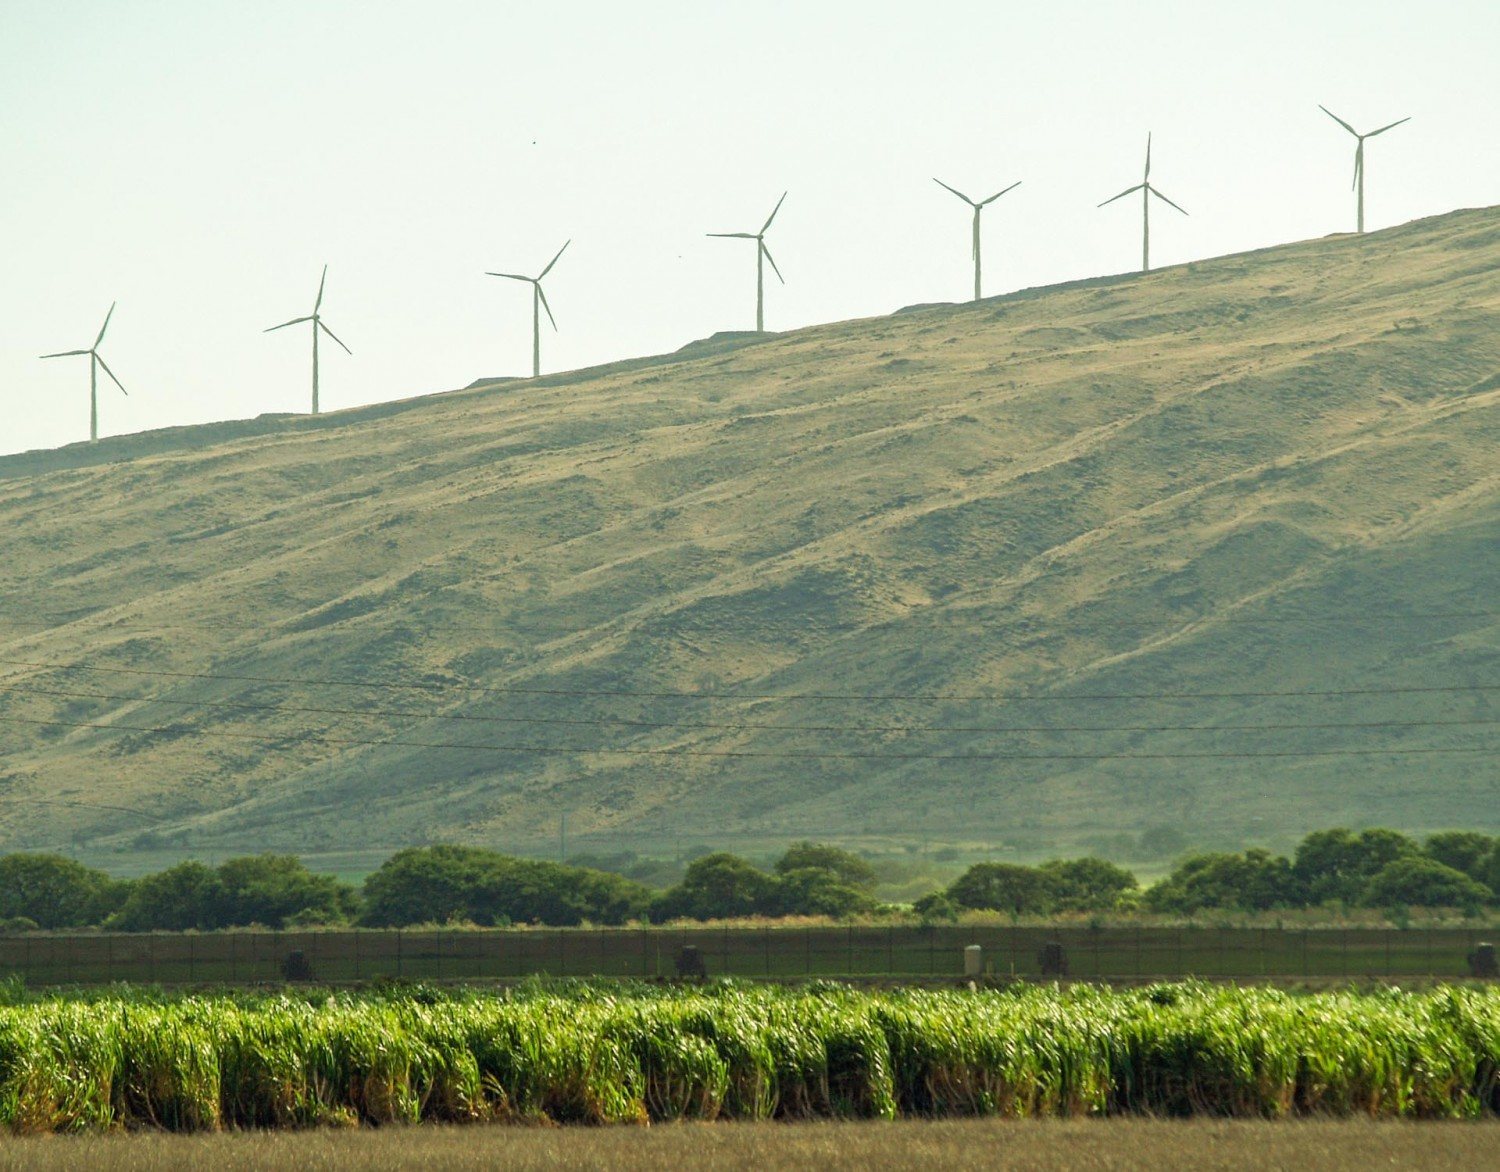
x: 1218, y: 477
x: 1053, y: 1146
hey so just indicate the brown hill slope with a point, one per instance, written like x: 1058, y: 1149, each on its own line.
x: 1260, y: 491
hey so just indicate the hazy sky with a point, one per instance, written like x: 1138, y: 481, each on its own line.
x: 199, y: 161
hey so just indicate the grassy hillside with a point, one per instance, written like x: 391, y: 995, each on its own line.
x: 662, y: 598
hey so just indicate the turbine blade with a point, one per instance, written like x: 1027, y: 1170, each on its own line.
x: 511, y: 276
x: 318, y: 304
x: 105, y: 326
x: 1390, y: 126
x: 734, y: 235
x: 998, y: 194
x: 1164, y: 199
x: 293, y: 322
x: 1339, y: 120
x: 1123, y: 194
x: 553, y: 261
x: 1147, y: 176
x: 332, y: 335
x: 542, y: 294
x: 1359, y: 164
x: 956, y: 192
x: 772, y: 259
x: 67, y: 353
x: 111, y: 374
x: 764, y: 228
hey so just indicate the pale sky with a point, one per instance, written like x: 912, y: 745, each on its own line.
x: 198, y: 161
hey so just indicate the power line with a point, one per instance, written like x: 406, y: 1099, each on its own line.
x: 571, y: 750
x: 72, y: 804
x: 293, y: 626
x: 738, y: 726
x: 993, y: 697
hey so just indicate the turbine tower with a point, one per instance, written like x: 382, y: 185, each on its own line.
x: 1359, y: 157
x: 95, y: 362
x: 978, y: 207
x: 538, y: 303
x: 317, y: 324
x: 762, y: 254
x: 1147, y: 191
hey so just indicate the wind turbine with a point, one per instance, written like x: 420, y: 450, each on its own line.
x: 978, y: 207
x: 762, y: 254
x: 1147, y: 191
x: 317, y: 324
x: 538, y: 303
x: 95, y: 362
x: 1359, y: 156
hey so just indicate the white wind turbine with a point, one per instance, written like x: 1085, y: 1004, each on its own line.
x: 1147, y: 191
x: 317, y: 324
x: 538, y: 303
x: 762, y: 254
x: 95, y: 362
x: 978, y: 207
x: 1359, y: 158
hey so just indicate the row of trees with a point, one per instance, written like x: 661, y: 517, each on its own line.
x: 445, y: 884
x: 422, y: 885
x: 1373, y: 868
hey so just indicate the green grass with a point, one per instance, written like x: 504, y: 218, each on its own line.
x: 1219, y: 477
x: 612, y: 1054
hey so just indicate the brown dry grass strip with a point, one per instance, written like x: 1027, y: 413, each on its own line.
x: 1073, y: 1145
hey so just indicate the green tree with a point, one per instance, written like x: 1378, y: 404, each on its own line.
x: 528, y: 890
x: 717, y: 886
x: 817, y: 891
x: 1463, y: 850
x: 441, y: 883
x: 1087, y: 884
x: 1005, y: 887
x: 1338, y: 864
x: 51, y: 890
x: 423, y: 885
x: 1254, y: 881
x: 848, y: 868
x: 181, y: 897
x: 272, y: 889
x: 1418, y: 881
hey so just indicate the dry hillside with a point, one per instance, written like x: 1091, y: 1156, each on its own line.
x: 1001, y: 572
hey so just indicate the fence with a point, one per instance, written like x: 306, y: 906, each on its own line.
x: 1109, y: 954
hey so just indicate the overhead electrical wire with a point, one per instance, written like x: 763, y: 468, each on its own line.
x: 586, y: 750
x: 635, y: 693
x: 741, y: 726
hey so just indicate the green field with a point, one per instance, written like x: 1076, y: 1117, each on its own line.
x: 851, y: 582
x: 781, y: 953
x: 612, y: 1053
